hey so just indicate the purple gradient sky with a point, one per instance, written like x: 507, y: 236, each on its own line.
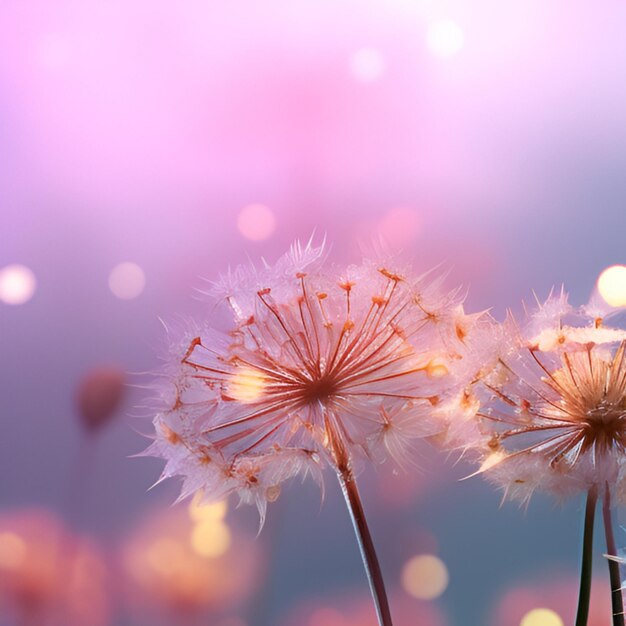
x: 138, y: 131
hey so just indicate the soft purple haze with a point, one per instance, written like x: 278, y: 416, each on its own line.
x: 139, y: 131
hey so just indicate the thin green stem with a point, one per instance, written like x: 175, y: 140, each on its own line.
x: 587, y: 559
x: 617, y: 601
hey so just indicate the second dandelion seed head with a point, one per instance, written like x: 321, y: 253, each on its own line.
x: 553, y: 408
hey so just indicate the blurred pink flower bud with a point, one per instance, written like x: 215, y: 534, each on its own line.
x: 99, y: 396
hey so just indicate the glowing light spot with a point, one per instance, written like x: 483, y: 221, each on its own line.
x: 491, y: 461
x: 199, y: 512
x: 444, y: 38
x: 17, y: 284
x: 12, y: 550
x: 210, y: 538
x: 541, y: 617
x: 548, y: 339
x: 246, y: 385
x: 425, y: 577
x: 612, y: 285
x: 127, y: 280
x: 437, y: 368
x: 367, y: 65
x: 256, y: 222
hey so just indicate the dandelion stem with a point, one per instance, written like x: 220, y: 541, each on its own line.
x: 614, y: 575
x: 343, y: 466
x: 587, y: 559
x: 366, y: 545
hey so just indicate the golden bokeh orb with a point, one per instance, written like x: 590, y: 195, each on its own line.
x: 425, y: 577
x: 199, y: 511
x: 541, y: 617
x: 210, y: 538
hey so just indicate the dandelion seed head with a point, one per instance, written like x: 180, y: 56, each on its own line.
x: 319, y: 367
x: 552, y: 412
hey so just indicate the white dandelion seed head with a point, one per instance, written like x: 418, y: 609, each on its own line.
x: 552, y: 412
x: 239, y: 286
x: 320, y: 366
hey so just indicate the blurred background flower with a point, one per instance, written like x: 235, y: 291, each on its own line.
x: 146, y: 145
x: 185, y: 566
x: 49, y: 575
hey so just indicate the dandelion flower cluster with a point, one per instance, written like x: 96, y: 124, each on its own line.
x: 553, y: 409
x: 318, y: 367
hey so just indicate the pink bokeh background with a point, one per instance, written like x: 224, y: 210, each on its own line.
x: 152, y: 132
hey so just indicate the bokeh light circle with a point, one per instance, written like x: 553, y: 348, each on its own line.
x: 612, y: 285
x: 17, y: 284
x: 425, y: 577
x: 210, y: 538
x: 200, y: 512
x: 367, y: 65
x: 541, y: 617
x: 256, y: 222
x: 127, y: 280
x: 444, y: 38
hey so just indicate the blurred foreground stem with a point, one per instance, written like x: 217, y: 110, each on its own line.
x: 364, y: 538
x: 587, y: 559
x: 616, y: 582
